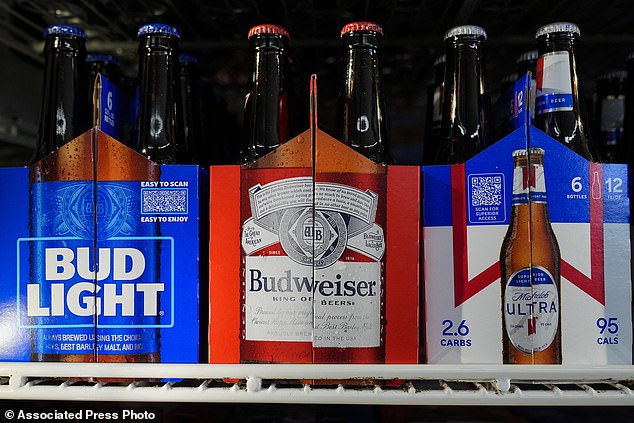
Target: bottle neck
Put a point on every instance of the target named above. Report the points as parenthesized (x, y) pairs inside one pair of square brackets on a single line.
[(529, 184), (559, 104), (158, 130), (265, 125), (467, 104), (361, 115), (64, 113)]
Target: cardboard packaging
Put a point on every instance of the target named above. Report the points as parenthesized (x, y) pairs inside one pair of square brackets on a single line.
[(588, 314), (101, 255), (314, 256)]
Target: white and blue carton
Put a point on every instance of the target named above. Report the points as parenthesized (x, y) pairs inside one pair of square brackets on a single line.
[(101, 254), (466, 216)]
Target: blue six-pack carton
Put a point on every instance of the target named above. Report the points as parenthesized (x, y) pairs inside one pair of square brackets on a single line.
[(100, 254), (533, 258)]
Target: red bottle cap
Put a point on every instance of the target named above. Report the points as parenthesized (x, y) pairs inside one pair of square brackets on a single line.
[(268, 29), (361, 26)]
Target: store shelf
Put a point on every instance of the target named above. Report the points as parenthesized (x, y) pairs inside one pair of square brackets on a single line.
[(394, 384)]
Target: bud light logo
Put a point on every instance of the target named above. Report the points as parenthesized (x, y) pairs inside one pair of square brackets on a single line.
[(128, 283)]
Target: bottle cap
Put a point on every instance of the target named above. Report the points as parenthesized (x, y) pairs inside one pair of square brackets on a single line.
[(99, 57), (268, 29), (528, 56), (440, 59), (620, 75), (163, 29), (558, 27), (69, 30), (361, 26), (524, 152), (457, 31), (187, 58)]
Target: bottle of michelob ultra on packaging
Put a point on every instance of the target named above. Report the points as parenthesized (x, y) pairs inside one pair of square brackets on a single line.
[(530, 263)]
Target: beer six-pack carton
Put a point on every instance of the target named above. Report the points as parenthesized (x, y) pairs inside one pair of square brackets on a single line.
[(100, 254), (319, 257), (526, 255)]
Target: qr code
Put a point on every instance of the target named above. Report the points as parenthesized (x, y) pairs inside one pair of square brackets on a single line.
[(164, 201), (486, 190)]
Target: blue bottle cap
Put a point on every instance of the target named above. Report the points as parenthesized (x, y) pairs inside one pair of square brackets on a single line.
[(187, 58), (163, 29), (68, 30), (99, 57)]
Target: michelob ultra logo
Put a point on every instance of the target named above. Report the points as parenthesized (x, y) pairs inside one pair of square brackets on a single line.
[(531, 309)]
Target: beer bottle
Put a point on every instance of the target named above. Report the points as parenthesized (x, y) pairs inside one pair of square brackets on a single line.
[(265, 125), (104, 64), (65, 105), (530, 262), (190, 103), (611, 115), (64, 117), (466, 111), (159, 135), (560, 108), (361, 120), (434, 112)]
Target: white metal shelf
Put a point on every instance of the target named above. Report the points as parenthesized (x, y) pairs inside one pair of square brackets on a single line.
[(258, 383)]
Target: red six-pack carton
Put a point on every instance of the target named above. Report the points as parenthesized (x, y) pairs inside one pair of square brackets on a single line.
[(319, 257)]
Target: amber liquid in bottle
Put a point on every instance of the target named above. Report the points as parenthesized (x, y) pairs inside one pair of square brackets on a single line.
[(530, 263)]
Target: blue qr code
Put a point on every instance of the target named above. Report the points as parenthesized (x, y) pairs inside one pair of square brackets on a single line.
[(164, 201), (486, 190)]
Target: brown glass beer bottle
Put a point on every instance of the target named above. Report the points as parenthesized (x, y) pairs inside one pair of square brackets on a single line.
[(466, 114), (559, 105), (266, 124), (530, 263)]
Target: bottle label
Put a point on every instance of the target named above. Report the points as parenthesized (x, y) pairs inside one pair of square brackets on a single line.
[(529, 182), (278, 299), (348, 305), (531, 309), (554, 86), (112, 294), (311, 264)]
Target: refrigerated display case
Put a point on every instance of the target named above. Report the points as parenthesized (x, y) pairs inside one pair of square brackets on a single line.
[(216, 33)]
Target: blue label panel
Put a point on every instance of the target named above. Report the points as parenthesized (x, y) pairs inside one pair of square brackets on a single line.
[(437, 195), (486, 198), (115, 118), (615, 193), (521, 100), (553, 103)]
